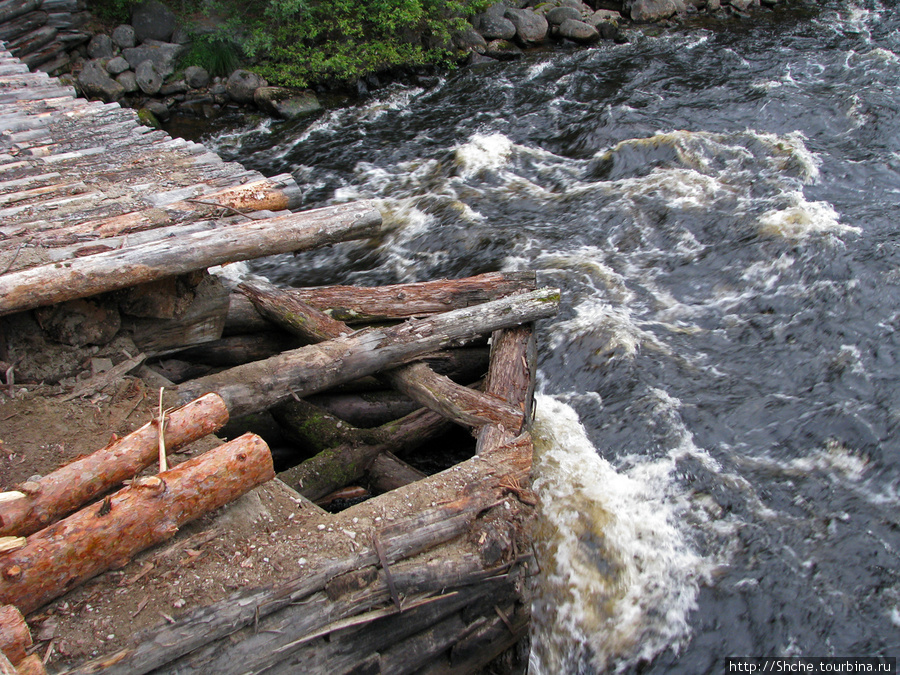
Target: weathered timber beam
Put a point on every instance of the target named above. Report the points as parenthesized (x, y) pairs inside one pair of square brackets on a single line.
[(149, 511), (388, 472), (463, 405), (315, 368), (510, 378), (357, 304), (59, 493), (111, 270)]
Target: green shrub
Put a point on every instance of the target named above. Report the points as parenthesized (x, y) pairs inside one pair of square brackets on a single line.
[(218, 55), (299, 41)]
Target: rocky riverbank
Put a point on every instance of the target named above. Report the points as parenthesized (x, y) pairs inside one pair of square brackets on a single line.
[(140, 64)]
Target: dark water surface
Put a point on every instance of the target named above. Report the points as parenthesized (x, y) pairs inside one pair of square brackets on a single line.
[(720, 399)]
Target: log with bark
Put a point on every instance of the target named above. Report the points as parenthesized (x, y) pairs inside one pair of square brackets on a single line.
[(463, 405), (15, 636), (150, 510), (315, 368), (129, 266), (59, 493)]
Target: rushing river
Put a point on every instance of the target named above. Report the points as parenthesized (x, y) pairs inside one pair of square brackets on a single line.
[(720, 394)]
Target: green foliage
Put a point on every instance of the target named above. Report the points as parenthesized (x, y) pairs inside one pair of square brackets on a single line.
[(113, 11), (299, 41), (217, 54)]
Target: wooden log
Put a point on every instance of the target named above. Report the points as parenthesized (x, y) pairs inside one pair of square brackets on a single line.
[(22, 25), (345, 462), (197, 632), (366, 409), (269, 194), (10, 9), (463, 405), (511, 379), (59, 493), (6, 666), (15, 637), (353, 304), (31, 665), (130, 266), (315, 368), (237, 350), (388, 472), (149, 511)]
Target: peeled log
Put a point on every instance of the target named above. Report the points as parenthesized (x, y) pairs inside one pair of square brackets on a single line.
[(15, 637), (59, 493), (109, 533), (31, 665), (133, 265)]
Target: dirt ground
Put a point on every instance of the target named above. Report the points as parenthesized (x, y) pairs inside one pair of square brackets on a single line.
[(272, 532)]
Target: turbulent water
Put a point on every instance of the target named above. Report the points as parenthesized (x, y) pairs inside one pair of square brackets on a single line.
[(720, 394)]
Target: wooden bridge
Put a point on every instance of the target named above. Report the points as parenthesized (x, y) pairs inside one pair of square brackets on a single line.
[(92, 201)]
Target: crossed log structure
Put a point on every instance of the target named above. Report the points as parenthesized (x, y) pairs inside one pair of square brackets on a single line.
[(44, 556)]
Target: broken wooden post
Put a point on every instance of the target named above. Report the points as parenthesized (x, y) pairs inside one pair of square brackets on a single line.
[(314, 368), (463, 405), (15, 636), (509, 378), (129, 266), (109, 533), (31, 665), (59, 493)]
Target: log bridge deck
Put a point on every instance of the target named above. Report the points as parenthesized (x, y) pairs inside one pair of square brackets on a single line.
[(118, 224)]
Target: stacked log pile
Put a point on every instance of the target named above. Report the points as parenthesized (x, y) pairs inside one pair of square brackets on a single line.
[(353, 611), (42, 32)]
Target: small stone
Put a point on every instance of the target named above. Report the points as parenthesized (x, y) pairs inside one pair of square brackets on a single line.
[(128, 81), (559, 14)]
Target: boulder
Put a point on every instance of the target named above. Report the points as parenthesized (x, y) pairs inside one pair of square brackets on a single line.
[(95, 82), (605, 15), (159, 109), (574, 4), (741, 5), (196, 77), (128, 80), (242, 84), (163, 55), (531, 28), (286, 103), (578, 31), (559, 14), (469, 40), (123, 36), (117, 66), (503, 50), (493, 25), (100, 46), (148, 77), (148, 119), (153, 21), (644, 11)]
